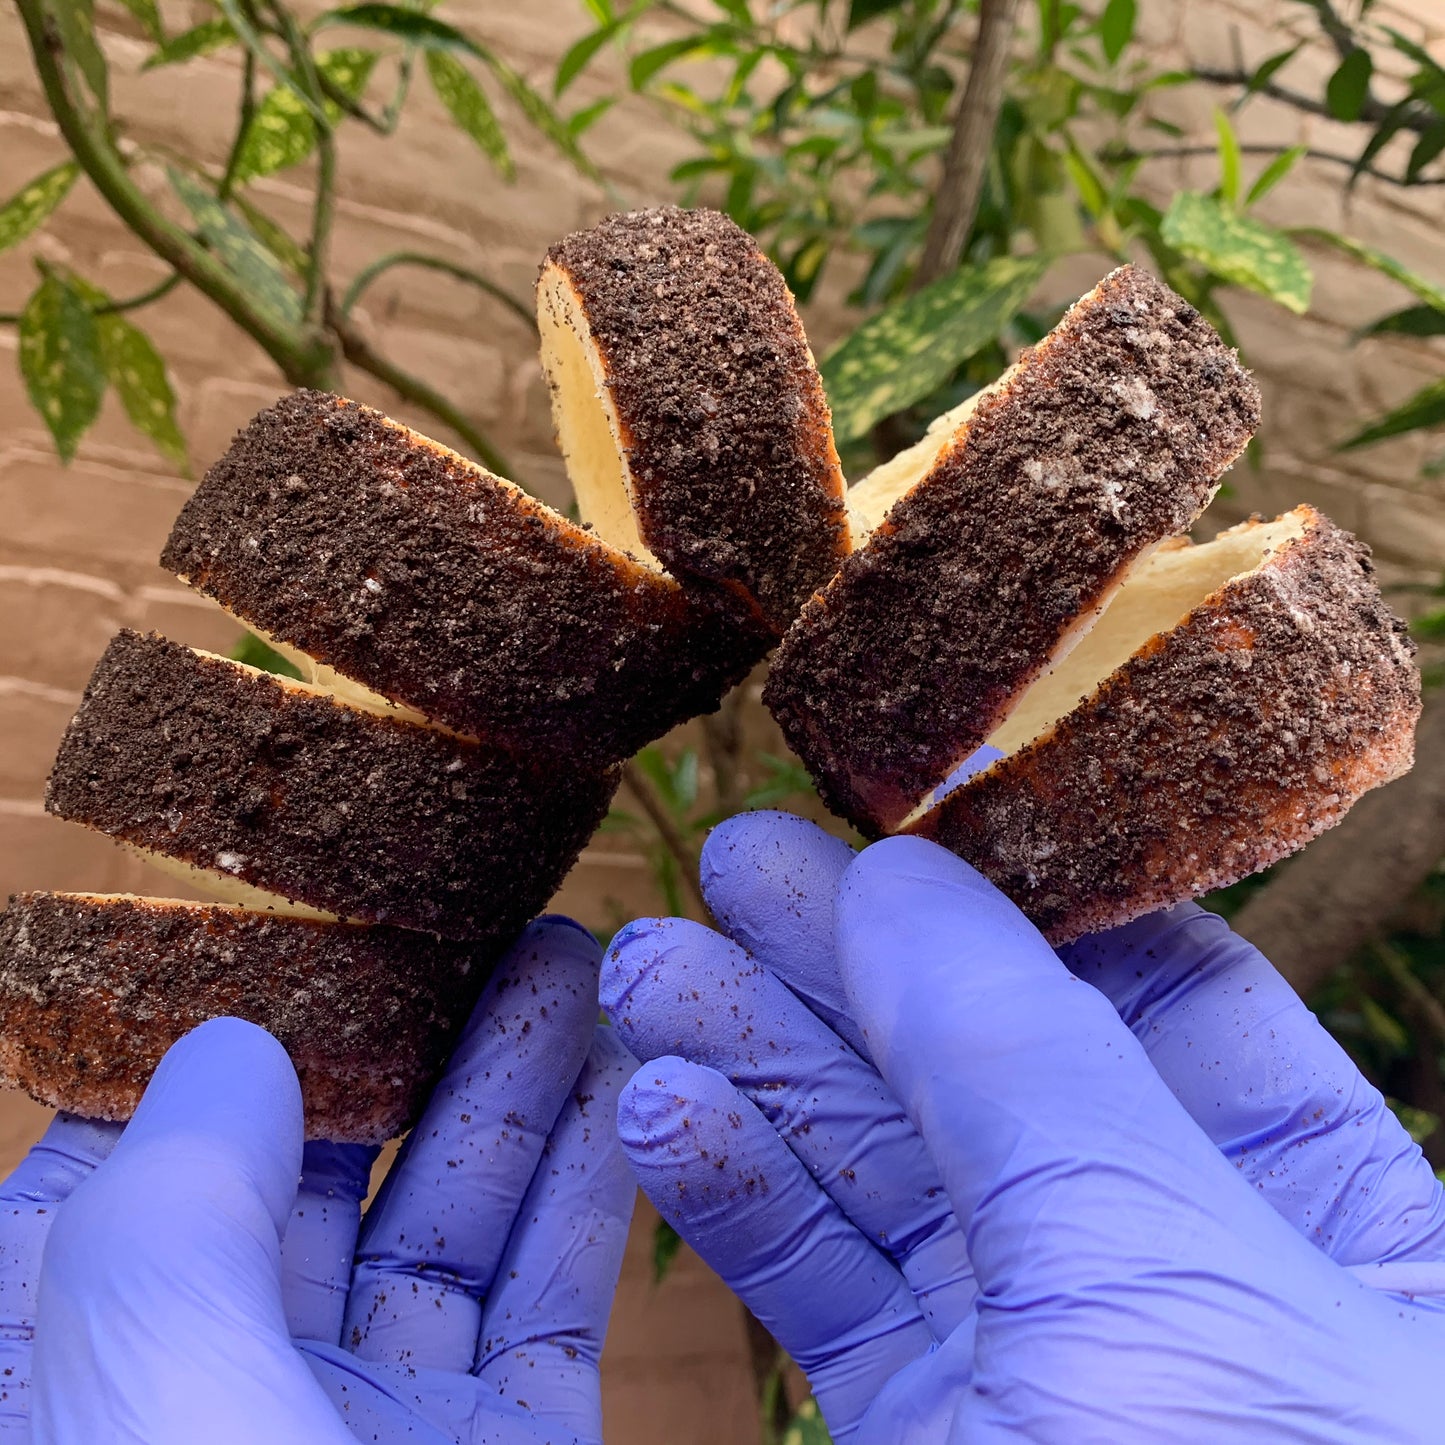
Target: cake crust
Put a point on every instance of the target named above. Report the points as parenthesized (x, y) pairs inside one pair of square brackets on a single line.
[(338, 532), (1221, 746), (725, 427), (1108, 437), (358, 815), (93, 990)]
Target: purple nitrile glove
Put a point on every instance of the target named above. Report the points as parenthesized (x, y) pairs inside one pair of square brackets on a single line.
[(187, 1291), (1189, 1217)]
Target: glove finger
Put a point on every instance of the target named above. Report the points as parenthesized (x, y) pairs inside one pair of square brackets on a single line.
[(770, 880), (719, 1174), (675, 987), (160, 1291), (430, 1243), (319, 1246), (1271, 1088), (66, 1154), (1071, 1166), (544, 1323)]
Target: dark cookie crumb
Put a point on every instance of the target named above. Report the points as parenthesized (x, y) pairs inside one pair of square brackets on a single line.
[(1109, 438), (355, 814), (727, 428), (94, 990), (435, 584), (1225, 745)]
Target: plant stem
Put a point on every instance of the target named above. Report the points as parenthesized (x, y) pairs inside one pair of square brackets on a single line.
[(1310, 154), (369, 273), (361, 354), (112, 308), (94, 149), (1419, 118), (672, 840), (722, 732), (243, 126), (956, 203)]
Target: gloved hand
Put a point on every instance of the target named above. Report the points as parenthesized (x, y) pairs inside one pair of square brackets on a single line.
[(188, 1292), (982, 1194)]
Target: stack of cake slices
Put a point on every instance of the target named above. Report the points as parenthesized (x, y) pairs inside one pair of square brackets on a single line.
[(1165, 718), (474, 666)]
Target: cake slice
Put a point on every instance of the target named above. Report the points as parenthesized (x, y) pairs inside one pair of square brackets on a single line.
[(94, 988)]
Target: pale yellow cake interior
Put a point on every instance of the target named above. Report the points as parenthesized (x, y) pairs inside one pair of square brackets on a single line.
[(870, 498), (587, 426), (222, 887), (1155, 596)]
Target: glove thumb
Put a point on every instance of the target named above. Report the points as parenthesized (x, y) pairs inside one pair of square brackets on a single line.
[(160, 1315)]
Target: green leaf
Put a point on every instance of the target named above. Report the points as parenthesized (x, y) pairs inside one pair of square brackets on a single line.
[(30, 205), (1425, 409), (579, 57), (1417, 285), (1268, 69), (1274, 173), (860, 12), (582, 120), (149, 16), (1228, 159), (685, 780), (401, 23), (1430, 626), (134, 367), (1426, 149), (909, 349), (666, 1242), (1412, 321), (1116, 28), (647, 63), (1238, 249), (255, 653), (787, 779), (470, 108), (74, 22), (807, 1427), (1383, 1027), (60, 362), (272, 236), (1349, 85), (282, 132), (246, 33), (238, 247), (198, 40), (534, 106)]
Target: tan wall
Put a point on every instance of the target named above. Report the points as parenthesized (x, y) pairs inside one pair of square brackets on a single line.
[(77, 545)]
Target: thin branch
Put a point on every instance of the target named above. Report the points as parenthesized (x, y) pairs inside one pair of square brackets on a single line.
[(112, 308), (1332, 157), (386, 122), (956, 203), (369, 273), (243, 128), (323, 211), (672, 840), (362, 355), (1419, 119), (95, 151)]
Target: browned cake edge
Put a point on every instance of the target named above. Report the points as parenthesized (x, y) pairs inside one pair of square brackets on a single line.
[(336, 531), (1108, 437), (93, 990), (1222, 746), (726, 430), (351, 813)]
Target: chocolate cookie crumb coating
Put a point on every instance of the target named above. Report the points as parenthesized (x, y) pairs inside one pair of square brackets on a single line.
[(1224, 745), (93, 990), (726, 430), (420, 575), (1109, 436), (358, 815)]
